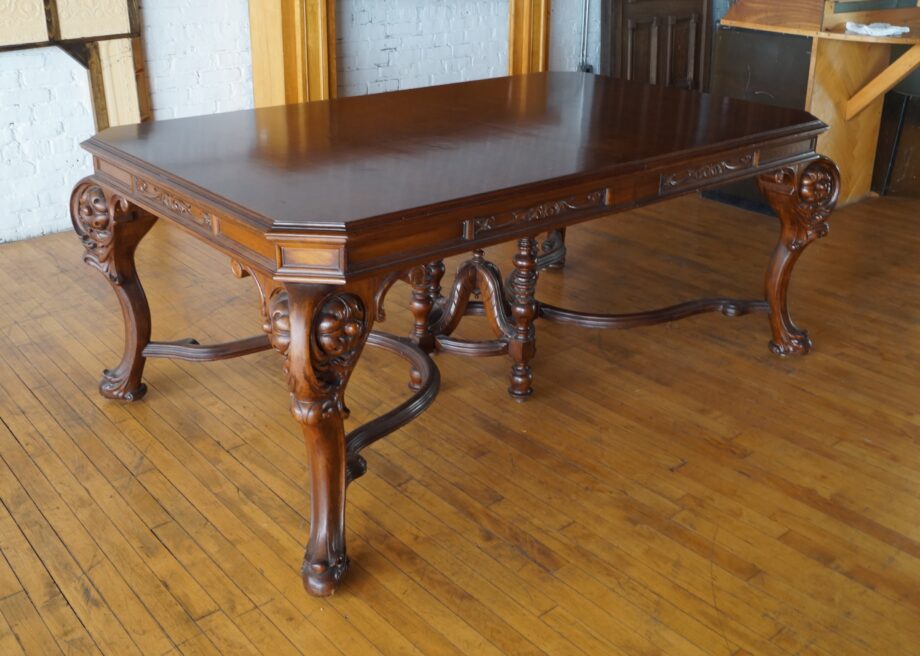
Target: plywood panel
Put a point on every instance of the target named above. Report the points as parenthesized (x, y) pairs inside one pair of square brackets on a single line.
[(118, 76), (839, 70), (268, 70), (87, 18), (900, 69), (22, 21)]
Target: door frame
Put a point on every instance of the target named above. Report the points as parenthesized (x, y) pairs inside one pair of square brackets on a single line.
[(294, 49)]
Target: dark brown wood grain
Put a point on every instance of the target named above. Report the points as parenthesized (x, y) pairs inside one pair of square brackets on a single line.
[(327, 205)]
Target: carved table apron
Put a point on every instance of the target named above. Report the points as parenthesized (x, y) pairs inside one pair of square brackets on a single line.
[(327, 205)]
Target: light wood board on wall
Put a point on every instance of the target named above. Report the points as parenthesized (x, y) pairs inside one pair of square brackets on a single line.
[(839, 70), (528, 36), (293, 50), (81, 19), (22, 21)]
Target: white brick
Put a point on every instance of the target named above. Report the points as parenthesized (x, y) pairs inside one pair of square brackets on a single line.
[(25, 96), (422, 44)]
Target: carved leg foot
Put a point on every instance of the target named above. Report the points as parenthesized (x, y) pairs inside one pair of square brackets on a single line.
[(110, 231), (522, 342), (321, 335), (803, 196)]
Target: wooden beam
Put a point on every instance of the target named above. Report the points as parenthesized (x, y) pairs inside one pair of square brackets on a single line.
[(528, 36), (884, 81), (118, 83), (119, 75), (319, 49), (293, 50)]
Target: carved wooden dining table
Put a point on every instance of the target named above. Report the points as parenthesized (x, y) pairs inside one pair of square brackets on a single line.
[(326, 205)]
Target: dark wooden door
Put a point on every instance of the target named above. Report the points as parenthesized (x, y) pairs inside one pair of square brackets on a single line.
[(657, 41)]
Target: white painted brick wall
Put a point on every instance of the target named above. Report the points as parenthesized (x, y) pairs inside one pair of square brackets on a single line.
[(385, 45), (198, 62), (197, 55), (45, 113), (565, 28)]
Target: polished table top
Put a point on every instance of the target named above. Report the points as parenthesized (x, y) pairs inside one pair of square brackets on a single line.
[(328, 165)]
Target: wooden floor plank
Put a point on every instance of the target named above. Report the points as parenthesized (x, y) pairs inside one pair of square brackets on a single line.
[(44, 592), (675, 489), (27, 626)]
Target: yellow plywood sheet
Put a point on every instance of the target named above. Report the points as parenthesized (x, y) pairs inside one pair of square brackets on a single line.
[(839, 70), (22, 21), (88, 18), (118, 74)]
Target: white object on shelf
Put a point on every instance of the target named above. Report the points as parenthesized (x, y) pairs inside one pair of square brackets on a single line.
[(876, 29)]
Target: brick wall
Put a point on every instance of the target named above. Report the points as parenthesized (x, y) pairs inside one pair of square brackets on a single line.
[(45, 113), (565, 28), (198, 61), (385, 45), (197, 56)]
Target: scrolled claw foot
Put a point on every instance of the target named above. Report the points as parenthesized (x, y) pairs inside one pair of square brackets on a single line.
[(120, 387), (795, 344), (322, 578)]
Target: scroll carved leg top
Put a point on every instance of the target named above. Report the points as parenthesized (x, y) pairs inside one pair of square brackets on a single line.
[(94, 216), (803, 198), (318, 374)]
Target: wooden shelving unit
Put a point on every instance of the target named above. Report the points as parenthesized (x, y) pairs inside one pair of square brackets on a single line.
[(848, 77)]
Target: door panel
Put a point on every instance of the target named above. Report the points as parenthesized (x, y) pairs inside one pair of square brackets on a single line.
[(657, 41)]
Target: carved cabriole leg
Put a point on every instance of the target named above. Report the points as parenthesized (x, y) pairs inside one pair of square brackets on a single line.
[(803, 197), (110, 230), (522, 343), (321, 332)]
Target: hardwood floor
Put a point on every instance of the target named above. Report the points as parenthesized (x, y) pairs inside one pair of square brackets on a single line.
[(670, 490)]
